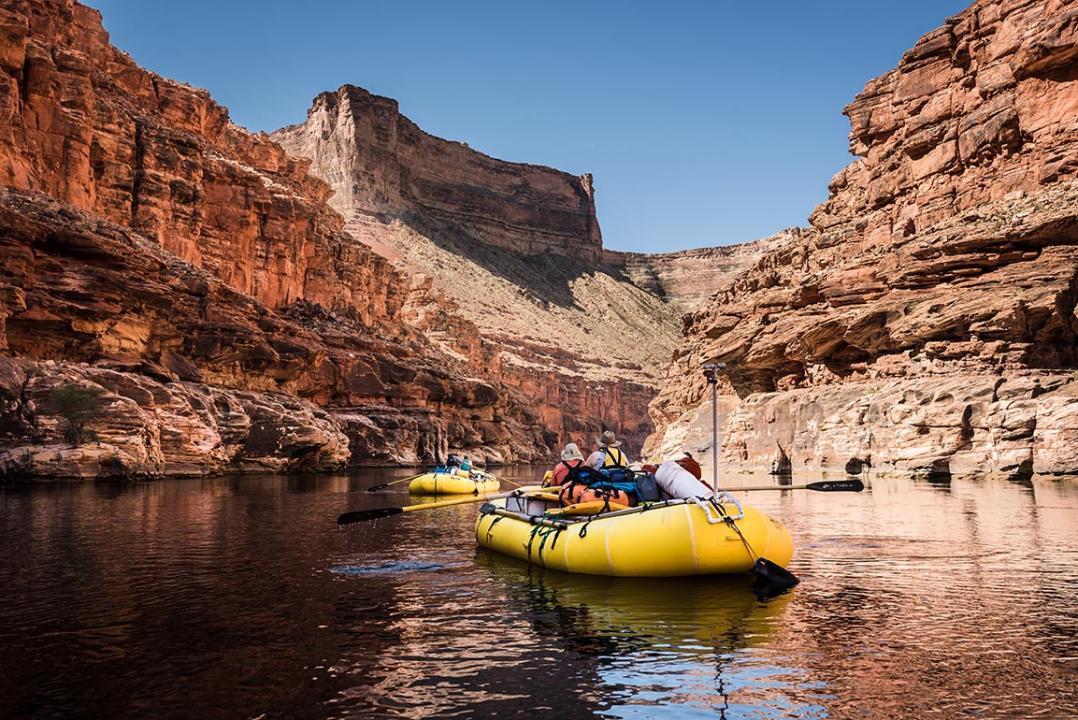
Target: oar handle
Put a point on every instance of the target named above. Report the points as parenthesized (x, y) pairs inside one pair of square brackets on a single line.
[(821, 486), (383, 486)]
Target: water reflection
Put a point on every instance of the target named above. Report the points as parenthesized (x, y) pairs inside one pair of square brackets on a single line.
[(680, 642), (238, 597)]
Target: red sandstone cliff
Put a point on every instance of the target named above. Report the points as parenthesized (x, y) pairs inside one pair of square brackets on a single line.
[(378, 162), (516, 281), (194, 272), (927, 320)]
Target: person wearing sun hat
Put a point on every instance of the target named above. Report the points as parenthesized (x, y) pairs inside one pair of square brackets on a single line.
[(571, 458), (609, 454)]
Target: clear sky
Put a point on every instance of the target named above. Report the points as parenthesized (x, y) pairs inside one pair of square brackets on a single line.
[(704, 123)]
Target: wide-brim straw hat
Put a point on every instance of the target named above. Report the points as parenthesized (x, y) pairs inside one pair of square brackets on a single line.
[(608, 439), (572, 452)]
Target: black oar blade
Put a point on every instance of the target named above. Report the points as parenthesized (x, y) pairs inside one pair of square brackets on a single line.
[(836, 486), (771, 579), (379, 486), (363, 515)]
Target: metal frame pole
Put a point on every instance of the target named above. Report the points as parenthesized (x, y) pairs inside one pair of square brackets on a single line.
[(711, 372)]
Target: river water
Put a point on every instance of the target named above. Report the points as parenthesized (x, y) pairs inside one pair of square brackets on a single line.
[(239, 598)]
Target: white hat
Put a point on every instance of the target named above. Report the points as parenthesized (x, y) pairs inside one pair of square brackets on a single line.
[(572, 452)]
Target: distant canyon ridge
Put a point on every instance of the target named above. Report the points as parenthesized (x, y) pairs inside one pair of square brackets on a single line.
[(354, 291)]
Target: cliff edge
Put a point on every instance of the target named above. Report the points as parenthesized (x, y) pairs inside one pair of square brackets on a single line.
[(926, 321)]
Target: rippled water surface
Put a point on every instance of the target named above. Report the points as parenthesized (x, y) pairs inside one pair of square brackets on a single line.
[(239, 598)]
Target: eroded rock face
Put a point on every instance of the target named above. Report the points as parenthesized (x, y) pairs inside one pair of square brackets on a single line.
[(687, 279), (146, 236), (379, 162), (92, 298), (944, 261), (511, 274)]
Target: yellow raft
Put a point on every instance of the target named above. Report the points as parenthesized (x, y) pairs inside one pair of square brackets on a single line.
[(436, 483), (668, 539)]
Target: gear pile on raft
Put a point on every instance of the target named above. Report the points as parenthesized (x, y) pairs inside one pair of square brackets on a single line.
[(599, 516), (456, 476)]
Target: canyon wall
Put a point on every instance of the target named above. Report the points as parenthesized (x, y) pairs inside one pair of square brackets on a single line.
[(194, 275), (514, 279), (926, 320), (688, 278), (377, 162)]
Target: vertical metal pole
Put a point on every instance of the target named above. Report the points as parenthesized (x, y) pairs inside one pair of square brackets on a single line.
[(714, 433)]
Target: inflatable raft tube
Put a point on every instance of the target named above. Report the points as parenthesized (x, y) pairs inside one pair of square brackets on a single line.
[(443, 484), (665, 540)]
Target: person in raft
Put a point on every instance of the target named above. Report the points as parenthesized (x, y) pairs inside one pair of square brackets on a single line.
[(604, 476), (571, 459), (609, 454)]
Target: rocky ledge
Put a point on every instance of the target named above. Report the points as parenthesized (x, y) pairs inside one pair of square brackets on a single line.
[(926, 321)]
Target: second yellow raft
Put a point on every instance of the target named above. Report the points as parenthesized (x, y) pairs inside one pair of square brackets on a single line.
[(665, 540), (435, 483)]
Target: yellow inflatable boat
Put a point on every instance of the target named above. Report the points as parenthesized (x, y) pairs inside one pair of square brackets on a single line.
[(666, 539), (462, 483)]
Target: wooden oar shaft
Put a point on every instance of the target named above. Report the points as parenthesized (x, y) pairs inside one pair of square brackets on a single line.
[(456, 501), (382, 486), (355, 516)]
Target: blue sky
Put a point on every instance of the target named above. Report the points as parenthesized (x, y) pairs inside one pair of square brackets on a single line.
[(704, 123)]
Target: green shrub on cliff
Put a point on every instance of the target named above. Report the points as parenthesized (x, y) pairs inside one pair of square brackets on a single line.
[(76, 405)]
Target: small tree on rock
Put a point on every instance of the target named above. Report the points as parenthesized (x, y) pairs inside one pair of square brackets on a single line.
[(76, 405)]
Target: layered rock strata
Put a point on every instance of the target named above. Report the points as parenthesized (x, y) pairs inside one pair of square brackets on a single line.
[(926, 321), (194, 273), (515, 279), (378, 162), (687, 279)]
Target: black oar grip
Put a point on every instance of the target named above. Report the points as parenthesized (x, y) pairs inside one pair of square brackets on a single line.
[(836, 486), (363, 515)]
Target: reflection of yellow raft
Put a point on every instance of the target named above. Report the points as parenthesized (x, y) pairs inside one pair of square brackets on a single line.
[(694, 614), (461, 484), (662, 541)]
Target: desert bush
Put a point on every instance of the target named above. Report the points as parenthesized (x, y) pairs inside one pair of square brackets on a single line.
[(76, 405)]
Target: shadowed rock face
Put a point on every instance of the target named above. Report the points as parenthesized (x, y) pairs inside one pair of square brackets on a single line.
[(511, 274), (378, 162), (194, 273), (927, 319)]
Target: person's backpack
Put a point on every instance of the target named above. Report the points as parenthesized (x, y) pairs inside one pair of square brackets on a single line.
[(646, 487)]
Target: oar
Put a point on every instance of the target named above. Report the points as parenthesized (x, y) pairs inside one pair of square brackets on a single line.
[(383, 486), (356, 516), (822, 486), (501, 479)]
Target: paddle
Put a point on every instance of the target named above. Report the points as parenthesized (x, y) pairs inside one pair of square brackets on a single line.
[(356, 516), (501, 479), (822, 486), (383, 486)]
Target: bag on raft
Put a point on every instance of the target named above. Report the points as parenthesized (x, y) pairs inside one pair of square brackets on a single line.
[(586, 484), (605, 479), (646, 487), (578, 493), (677, 482)]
